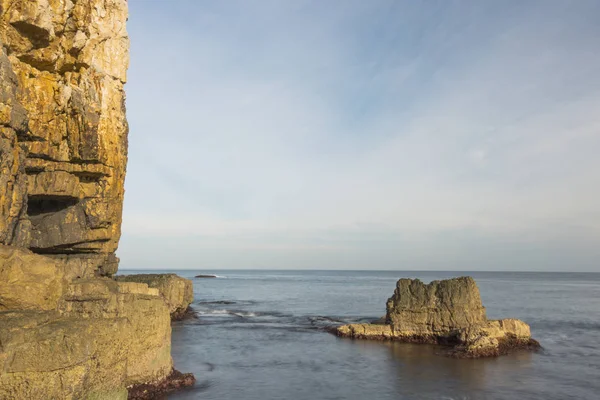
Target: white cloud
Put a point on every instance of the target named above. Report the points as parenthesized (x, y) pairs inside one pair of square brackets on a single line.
[(310, 129)]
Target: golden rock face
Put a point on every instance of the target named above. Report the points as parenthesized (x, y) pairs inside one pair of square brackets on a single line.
[(178, 292), (63, 138), (65, 331)]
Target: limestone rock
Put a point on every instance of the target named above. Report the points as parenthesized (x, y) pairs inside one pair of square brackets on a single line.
[(66, 330), (102, 337), (29, 281), (447, 312), (177, 291), (63, 141), (438, 308)]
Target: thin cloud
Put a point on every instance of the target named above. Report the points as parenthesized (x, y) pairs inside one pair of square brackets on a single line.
[(312, 131)]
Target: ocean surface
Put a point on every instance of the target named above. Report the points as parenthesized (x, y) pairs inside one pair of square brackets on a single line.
[(259, 335)]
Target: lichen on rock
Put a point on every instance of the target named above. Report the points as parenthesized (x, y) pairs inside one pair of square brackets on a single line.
[(67, 330), (63, 145), (447, 312)]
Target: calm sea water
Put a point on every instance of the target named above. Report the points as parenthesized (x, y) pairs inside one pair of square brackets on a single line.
[(260, 335)]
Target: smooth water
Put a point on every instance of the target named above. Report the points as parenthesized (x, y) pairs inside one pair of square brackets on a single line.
[(260, 335)]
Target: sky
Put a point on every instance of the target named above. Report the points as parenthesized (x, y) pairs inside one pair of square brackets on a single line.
[(402, 135)]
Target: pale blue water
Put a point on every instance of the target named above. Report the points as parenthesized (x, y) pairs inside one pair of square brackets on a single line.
[(260, 336)]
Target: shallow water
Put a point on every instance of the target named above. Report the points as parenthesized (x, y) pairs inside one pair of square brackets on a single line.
[(260, 336)]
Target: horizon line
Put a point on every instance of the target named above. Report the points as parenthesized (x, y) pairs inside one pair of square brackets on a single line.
[(357, 270)]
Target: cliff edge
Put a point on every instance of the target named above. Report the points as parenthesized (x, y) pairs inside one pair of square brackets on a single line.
[(447, 312), (67, 329)]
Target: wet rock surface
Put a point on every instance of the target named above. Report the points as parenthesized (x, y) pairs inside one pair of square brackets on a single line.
[(148, 391), (447, 312)]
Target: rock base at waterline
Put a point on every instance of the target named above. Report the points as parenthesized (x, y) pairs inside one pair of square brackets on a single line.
[(447, 313), (494, 339), (147, 391)]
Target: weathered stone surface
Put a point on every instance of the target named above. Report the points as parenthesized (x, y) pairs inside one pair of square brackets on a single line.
[(447, 312), (48, 356), (437, 308), (66, 330), (177, 291), (63, 147), (29, 281), (147, 336), (101, 337)]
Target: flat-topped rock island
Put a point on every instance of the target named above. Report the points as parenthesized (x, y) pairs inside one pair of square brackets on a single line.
[(447, 312)]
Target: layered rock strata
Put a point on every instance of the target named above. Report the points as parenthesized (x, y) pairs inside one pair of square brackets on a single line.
[(177, 291), (67, 330), (63, 137), (447, 312)]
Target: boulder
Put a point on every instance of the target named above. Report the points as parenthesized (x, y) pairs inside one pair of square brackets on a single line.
[(177, 291), (447, 312)]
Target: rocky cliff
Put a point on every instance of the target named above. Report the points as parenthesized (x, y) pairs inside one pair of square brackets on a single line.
[(67, 330), (447, 312), (64, 133)]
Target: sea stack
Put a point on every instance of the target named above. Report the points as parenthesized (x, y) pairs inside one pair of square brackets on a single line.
[(447, 312), (68, 330)]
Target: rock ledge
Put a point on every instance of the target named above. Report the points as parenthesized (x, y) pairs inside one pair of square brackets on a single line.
[(177, 291)]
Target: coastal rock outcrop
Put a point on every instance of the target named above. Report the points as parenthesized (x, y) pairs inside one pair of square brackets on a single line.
[(447, 312), (67, 329), (63, 140), (75, 338), (177, 291)]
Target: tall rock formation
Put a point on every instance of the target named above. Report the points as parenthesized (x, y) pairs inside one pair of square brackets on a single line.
[(64, 134), (67, 330), (447, 312)]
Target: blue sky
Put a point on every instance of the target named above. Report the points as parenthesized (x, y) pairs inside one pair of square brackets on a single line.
[(408, 135)]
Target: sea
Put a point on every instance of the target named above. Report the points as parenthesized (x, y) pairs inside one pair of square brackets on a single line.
[(262, 335)]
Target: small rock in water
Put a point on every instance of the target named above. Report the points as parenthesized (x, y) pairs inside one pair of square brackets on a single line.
[(447, 312), (205, 276)]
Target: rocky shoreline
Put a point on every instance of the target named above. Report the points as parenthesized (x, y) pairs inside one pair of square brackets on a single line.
[(447, 313)]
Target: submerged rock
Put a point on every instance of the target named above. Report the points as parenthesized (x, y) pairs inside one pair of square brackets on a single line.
[(177, 291), (447, 312)]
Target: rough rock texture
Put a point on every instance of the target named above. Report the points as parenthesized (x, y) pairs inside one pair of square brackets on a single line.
[(447, 312), (79, 338), (435, 309), (63, 138), (177, 291), (68, 331), (148, 391)]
